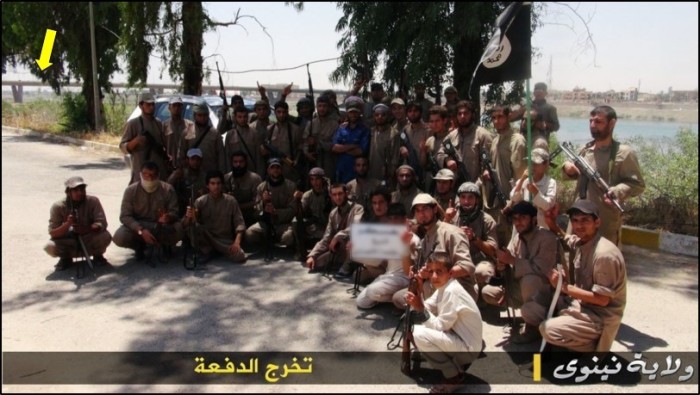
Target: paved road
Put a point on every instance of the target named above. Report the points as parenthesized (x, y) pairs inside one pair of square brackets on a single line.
[(254, 307)]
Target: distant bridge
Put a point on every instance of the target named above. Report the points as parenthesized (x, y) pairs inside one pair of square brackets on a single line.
[(273, 91)]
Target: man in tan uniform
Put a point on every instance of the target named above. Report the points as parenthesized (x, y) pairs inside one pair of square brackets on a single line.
[(438, 123), (617, 165), (479, 228), (261, 125), (596, 298), (336, 234), (285, 137), (244, 138), (77, 214), (407, 188), (442, 237), (207, 139), (383, 146), (416, 132), (145, 140), (185, 178), (175, 127), (362, 185), (219, 223), (468, 140), (444, 189), (315, 205), (275, 203), (526, 262), (321, 131), (242, 184), (508, 157), (148, 214)]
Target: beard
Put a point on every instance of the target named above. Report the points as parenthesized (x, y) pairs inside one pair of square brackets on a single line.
[(600, 135), (239, 171)]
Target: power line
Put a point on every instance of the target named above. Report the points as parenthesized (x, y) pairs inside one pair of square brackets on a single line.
[(272, 70)]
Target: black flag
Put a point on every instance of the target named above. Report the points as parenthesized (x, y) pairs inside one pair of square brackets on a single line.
[(508, 53)]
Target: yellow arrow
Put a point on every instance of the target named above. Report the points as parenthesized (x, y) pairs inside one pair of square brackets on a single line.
[(46, 50)]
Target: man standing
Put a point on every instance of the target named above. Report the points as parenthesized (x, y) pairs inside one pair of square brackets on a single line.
[(321, 131), (175, 127), (425, 104), (349, 142), (508, 155), (336, 234), (260, 125), (144, 140), (596, 298), (242, 184), (220, 222), (77, 215), (467, 140), (243, 138), (382, 147), (617, 165), (148, 214), (207, 139), (543, 117), (527, 262), (416, 133), (285, 137), (439, 127)]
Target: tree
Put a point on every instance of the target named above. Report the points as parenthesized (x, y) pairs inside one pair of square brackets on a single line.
[(175, 30), (23, 31), (417, 42)]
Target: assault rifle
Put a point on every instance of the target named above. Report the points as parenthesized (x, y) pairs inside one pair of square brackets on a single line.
[(154, 145), (191, 257), (268, 224), (413, 159), (462, 173), (488, 166), (591, 175), (81, 243)]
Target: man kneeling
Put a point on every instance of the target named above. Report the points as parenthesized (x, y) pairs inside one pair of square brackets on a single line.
[(451, 336), (219, 224)]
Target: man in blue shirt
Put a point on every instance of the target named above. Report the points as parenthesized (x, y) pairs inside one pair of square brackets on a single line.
[(350, 141)]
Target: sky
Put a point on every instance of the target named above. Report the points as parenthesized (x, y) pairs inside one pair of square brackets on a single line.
[(653, 46)]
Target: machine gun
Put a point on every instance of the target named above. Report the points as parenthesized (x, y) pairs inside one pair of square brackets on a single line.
[(591, 175), (496, 192)]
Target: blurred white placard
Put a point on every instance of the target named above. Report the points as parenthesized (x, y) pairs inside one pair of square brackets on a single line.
[(377, 241)]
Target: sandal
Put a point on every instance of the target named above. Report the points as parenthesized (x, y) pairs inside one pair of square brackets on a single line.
[(449, 385), (444, 388)]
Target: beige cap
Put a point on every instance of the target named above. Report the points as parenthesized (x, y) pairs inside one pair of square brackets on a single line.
[(444, 174), (398, 101), (423, 198), (539, 155)]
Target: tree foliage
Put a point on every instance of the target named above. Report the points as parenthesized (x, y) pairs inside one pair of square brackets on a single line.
[(430, 42), (24, 26)]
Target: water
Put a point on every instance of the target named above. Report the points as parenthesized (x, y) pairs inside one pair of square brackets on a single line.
[(576, 130)]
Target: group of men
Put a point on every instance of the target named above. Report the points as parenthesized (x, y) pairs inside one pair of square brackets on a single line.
[(486, 234)]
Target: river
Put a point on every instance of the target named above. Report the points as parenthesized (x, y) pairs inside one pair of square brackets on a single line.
[(576, 129)]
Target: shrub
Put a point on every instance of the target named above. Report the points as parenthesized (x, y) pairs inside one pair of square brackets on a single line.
[(74, 116)]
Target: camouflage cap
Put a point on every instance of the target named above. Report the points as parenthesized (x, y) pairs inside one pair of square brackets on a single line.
[(317, 172), (469, 187), (146, 97), (200, 108)]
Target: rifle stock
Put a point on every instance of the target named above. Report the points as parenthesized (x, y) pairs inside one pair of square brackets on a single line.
[(413, 160), (79, 239), (488, 166)]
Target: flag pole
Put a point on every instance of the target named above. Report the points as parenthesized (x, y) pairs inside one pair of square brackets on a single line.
[(528, 106)]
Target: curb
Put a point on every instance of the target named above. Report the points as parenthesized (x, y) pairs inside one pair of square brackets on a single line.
[(660, 240), (63, 139)]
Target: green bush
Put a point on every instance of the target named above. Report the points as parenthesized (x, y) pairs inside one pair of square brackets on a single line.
[(116, 112), (74, 115), (669, 167)]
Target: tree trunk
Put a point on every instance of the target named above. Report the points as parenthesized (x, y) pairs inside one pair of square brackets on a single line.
[(192, 43)]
